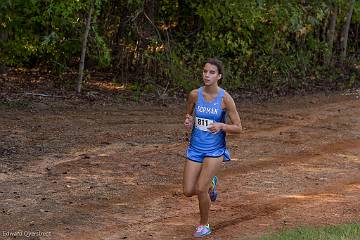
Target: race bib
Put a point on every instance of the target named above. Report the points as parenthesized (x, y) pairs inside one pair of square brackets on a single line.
[(203, 123)]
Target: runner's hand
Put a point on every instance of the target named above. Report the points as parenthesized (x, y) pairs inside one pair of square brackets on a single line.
[(189, 121), (215, 127)]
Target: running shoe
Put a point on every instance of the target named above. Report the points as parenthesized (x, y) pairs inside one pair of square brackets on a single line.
[(212, 189), (202, 231)]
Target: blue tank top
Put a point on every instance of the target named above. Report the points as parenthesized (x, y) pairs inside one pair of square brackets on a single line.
[(206, 113)]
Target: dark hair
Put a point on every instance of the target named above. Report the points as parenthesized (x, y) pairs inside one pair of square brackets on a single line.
[(220, 66)]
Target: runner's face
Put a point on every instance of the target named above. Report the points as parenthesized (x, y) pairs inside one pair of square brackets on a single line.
[(210, 74)]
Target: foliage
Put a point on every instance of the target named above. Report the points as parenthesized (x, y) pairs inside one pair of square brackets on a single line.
[(45, 32), (267, 46)]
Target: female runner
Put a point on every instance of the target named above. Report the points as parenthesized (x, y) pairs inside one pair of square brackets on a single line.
[(206, 110)]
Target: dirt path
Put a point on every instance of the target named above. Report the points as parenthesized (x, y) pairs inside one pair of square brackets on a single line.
[(115, 172)]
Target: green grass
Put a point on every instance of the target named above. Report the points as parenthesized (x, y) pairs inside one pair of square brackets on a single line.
[(14, 104), (339, 232)]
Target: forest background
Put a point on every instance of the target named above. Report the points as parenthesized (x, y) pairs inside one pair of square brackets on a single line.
[(159, 46)]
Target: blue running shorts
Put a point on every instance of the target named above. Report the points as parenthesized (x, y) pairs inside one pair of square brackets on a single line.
[(196, 155)]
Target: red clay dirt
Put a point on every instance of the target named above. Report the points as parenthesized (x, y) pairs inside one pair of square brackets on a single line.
[(114, 171)]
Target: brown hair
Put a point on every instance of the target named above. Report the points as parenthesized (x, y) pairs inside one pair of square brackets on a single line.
[(220, 66)]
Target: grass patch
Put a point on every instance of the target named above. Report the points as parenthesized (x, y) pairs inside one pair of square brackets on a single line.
[(339, 232), (14, 104)]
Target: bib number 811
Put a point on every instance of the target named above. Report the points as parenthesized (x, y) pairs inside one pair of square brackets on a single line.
[(203, 123)]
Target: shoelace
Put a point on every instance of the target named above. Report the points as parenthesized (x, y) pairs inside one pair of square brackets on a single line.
[(202, 227)]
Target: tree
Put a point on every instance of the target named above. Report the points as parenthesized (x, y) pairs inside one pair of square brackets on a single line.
[(345, 32), (83, 49), (331, 34)]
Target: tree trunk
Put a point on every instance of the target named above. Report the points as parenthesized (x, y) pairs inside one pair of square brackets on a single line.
[(124, 18), (345, 32), (331, 34), (3, 38), (182, 13), (149, 19), (357, 38), (83, 49)]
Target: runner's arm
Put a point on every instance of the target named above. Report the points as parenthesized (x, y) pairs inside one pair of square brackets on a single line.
[(190, 104), (235, 126)]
